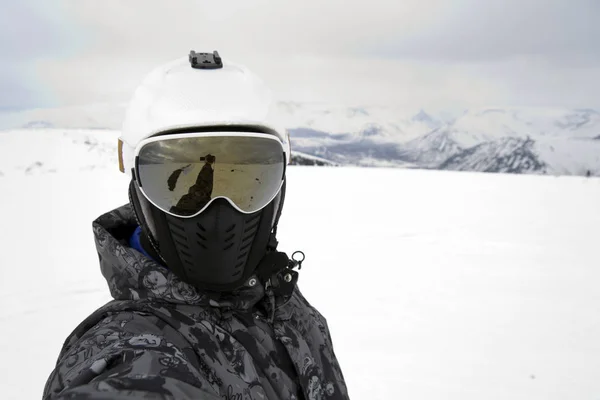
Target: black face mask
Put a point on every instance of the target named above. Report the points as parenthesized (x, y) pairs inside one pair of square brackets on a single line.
[(219, 249)]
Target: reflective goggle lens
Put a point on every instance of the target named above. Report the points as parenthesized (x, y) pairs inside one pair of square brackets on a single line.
[(181, 175)]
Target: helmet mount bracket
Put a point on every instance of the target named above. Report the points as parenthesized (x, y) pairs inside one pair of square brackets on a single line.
[(205, 60)]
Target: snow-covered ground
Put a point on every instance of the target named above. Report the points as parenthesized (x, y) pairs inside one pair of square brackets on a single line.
[(436, 285)]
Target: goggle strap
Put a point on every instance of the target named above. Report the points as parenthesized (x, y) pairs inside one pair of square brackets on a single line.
[(120, 151)]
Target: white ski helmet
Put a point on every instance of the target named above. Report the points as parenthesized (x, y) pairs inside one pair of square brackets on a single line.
[(176, 96), (220, 248)]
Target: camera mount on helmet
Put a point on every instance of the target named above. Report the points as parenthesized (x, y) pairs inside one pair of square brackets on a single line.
[(209, 158), (205, 60)]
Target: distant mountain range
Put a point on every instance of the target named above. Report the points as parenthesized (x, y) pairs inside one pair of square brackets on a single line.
[(515, 140), (299, 158)]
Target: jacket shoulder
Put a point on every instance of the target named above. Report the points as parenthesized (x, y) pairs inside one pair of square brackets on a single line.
[(122, 347), (304, 332)]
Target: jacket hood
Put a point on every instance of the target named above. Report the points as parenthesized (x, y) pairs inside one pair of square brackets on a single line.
[(132, 276)]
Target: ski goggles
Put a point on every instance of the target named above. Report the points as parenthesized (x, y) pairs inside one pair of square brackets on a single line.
[(182, 174)]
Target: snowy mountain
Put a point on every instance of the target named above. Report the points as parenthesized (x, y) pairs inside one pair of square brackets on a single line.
[(509, 155), (431, 149), (345, 149), (566, 142), (426, 119), (478, 126), (524, 140), (380, 124)]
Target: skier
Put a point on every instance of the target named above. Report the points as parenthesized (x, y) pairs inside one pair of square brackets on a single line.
[(199, 193), (205, 306)]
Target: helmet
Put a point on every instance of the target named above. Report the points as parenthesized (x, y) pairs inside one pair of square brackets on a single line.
[(220, 248), (178, 96)]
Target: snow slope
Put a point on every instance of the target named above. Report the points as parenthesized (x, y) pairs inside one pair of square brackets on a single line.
[(40, 151), (570, 156), (436, 285)]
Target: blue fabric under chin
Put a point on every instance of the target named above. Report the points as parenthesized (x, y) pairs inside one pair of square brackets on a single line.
[(134, 242)]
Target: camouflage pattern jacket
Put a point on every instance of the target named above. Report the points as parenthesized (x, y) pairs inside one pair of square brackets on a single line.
[(161, 338)]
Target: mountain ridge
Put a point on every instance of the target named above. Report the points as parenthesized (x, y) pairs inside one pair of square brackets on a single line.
[(566, 141)]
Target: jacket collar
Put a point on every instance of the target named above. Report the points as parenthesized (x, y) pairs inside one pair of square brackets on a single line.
[(133, 276)]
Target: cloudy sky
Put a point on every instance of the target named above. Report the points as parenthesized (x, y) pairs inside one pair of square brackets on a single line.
[(436, 54)]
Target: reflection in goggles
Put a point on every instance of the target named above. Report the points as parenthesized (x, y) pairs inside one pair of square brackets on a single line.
[(246, 170), (199, 194)]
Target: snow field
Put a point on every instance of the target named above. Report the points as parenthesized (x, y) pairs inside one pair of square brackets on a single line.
[(434, 284)]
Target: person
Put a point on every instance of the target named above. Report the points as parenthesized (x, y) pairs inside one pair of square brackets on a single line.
[(205, 305), (199, 193)]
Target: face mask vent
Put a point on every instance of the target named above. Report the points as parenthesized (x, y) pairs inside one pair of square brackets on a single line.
[(181, 242), (228, 242), (216, 244)]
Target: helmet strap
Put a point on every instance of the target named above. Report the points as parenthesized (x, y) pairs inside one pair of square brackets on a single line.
[(272, 246), (146, 239)]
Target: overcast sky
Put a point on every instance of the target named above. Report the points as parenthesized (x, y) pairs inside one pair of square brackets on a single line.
[(436, 54)]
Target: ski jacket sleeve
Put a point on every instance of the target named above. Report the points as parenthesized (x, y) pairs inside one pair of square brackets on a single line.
[(128, 355)]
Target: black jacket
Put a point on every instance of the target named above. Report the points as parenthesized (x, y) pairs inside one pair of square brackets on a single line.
[(162, 338)]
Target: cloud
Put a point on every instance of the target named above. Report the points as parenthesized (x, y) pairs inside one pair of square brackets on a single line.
[(460, 30), (30, 32), (493, 30), (13, 94), (434, 53)]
